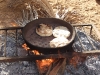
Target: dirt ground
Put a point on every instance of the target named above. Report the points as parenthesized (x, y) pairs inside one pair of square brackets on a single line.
[(80, 11)]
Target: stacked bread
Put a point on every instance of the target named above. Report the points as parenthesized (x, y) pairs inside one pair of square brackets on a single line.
[(60, 34)]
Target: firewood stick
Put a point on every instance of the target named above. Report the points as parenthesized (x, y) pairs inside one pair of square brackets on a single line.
[(49, 70), (55, 62), (61, 70), (57, 67), (49, 56), (52, 65)]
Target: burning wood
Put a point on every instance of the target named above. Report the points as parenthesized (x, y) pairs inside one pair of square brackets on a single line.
[(58, 67), (43, 64), (49, 66), (52, 66)]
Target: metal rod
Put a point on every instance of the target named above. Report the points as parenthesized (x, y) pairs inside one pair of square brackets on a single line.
[(49, 56), (76, 25), (79, 39), (5, 43), (91, 29), (89, 39), (16, 43), (10, 28)]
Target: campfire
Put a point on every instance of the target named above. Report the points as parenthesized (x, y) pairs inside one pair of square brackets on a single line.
[(82, 58), (47, 66), (62, 62)]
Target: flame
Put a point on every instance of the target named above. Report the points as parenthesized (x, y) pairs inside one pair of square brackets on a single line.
[(41, 63), (25, 47), (44, 63), (36, 52)]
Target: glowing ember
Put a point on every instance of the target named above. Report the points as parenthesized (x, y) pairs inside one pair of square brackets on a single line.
[(36, 52), (25, 47), (44, 64)]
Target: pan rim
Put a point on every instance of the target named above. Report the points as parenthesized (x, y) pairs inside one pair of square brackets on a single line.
[(70, 41)]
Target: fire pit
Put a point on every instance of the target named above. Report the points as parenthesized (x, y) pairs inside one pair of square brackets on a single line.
[(15, 60), (83, 47)]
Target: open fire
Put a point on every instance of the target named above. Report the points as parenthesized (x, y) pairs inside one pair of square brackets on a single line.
[(43, 64), (53, 66), (10, 49)]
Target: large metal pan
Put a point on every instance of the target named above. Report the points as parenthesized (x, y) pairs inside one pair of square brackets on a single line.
[(36, 42)]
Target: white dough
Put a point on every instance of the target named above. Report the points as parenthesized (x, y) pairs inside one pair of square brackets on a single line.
[(61, 31), (58, 42)]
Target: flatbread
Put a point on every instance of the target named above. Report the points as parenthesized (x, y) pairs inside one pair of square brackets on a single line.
[(58, 42), (44, 30), (61, 31)]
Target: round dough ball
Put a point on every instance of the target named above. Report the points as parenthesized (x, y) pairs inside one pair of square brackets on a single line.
[(58, 42), (61, 31), (44, 30)]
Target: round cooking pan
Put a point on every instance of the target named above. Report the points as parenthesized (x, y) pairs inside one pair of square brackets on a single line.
[(36, 42)]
